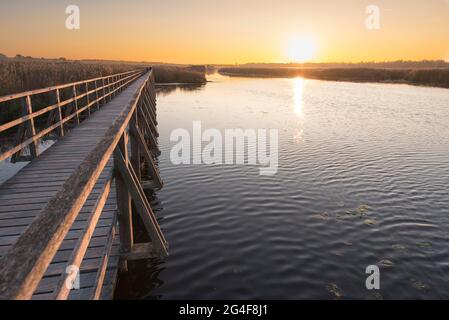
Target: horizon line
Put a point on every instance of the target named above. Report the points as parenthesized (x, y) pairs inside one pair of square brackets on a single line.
[(236, 63)]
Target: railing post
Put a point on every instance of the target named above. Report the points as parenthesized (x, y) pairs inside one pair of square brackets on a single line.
[(111, 88), (58, 101), (87, 98), (26, 130), (96, 95), (124, 203), (75, 102), (104, 90), (31, 129)]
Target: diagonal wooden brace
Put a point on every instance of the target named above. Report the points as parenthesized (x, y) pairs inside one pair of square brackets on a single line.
[(135, 131), (141, 203)]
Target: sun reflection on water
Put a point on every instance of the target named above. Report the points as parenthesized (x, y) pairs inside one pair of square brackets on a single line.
[(298, 104)]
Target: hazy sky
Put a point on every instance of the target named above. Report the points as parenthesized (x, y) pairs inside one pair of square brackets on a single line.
[(211, 31)]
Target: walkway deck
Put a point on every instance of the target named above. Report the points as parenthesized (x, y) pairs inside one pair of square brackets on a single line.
[(24, 196)]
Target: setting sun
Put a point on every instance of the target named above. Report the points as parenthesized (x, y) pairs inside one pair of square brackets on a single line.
[(301, 49)]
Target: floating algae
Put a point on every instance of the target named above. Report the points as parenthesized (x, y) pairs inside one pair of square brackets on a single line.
[(321, 216), (399, 247), (424, 244), (363, 209), (386, 263), (370, 222), (333, 289), (360, 211), (374, 296), (418, 284)]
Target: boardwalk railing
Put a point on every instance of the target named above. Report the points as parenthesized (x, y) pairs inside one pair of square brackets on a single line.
[(24, 265), (83, 97)]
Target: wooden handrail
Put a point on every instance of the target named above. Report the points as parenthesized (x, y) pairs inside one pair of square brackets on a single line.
[(23, 266), (26, 121), (40, 112), (62, 86)]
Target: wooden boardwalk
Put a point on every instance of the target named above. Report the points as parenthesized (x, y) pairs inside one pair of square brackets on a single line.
[(91, 243)]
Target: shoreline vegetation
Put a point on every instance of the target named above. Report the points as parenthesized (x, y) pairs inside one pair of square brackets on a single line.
[(425, 73), (21, 74)]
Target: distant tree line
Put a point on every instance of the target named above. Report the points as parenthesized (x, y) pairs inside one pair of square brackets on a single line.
[(438, 77), (398, 64)]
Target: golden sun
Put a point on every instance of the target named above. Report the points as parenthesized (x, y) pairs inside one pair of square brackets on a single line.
[(301, 49)]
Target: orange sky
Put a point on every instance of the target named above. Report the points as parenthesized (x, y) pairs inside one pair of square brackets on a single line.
[(200, 31)]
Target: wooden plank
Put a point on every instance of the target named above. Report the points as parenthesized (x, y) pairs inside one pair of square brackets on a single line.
[(9, 240), (24, 222), (87, 278), (101, 273), (33, 213), (62, 291)]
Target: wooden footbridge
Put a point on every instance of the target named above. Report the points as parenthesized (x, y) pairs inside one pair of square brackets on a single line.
[(68, 218)]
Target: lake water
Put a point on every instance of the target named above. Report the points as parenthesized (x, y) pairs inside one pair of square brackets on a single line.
[(363, 180), (9, 169)]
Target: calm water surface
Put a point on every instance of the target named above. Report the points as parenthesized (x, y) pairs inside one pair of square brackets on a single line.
[(363, 179)]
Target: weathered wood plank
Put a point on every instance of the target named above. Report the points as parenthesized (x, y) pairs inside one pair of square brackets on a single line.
[(101, 273), (77, 255)]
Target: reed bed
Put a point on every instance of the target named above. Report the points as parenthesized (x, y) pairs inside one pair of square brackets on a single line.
[(18, 75), (437, 77), (171, 74)]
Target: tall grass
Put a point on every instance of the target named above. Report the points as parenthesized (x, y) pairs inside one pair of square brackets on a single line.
[(172, 74), (24, 74), (18, 76), (429, 77)]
